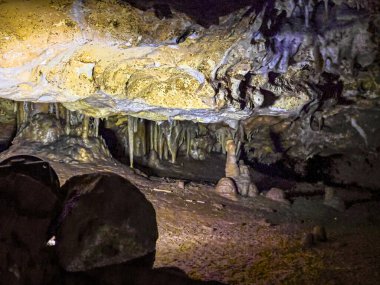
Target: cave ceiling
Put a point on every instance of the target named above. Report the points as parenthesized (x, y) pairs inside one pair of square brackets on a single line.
[(206, 61)]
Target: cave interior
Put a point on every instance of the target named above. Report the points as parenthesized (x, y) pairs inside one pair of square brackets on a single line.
[(189, 142)]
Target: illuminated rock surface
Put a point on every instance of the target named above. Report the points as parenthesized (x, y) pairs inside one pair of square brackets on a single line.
[(105, 57)]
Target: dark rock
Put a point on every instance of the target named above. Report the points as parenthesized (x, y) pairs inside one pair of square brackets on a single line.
[(106, 220), (332, 200), (27, 207)]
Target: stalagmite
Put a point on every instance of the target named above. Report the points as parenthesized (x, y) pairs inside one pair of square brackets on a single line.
[(232, 169), (85, 127)]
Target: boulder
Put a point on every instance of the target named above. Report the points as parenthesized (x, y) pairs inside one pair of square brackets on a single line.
[(106, 220), (27, 207), (277, 194)]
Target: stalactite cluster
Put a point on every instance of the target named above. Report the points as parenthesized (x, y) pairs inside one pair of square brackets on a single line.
[(140, 137), (166, 140), (75, 124)]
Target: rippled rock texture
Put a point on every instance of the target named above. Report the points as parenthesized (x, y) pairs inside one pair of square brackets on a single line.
[(106, 57)]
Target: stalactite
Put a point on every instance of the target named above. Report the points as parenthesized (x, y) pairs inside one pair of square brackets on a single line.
[(156, 127), (143, 137), (326, 2), (306, 5), (161, 141), (68, 126), (151, 135), (131, 134), (85, 127), (188, 142), (238, 150), (222, 135), (20, 111), (174, 138), (51, 108), (56, 110), (27, 111), (96, 127), (166, 150)]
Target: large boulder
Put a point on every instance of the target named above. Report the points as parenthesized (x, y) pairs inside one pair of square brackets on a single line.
[(106, 220), (27, 207)]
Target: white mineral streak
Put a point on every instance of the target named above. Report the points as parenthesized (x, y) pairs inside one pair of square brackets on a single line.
[(359, 129)]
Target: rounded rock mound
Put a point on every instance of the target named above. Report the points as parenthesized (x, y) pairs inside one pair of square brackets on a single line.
[(105, 220)]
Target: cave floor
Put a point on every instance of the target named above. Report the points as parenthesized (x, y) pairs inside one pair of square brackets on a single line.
[(252, 240), (257, 241)]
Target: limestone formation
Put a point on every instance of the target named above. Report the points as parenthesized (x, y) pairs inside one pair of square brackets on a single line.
[(226, 188), (253, 191), (153, 159), (277, 194), (244, 183), (232, 169), (108, 51)]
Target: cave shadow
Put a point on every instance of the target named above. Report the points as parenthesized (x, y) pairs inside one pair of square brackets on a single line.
[(45, 266), (204, 12), (135, 272)]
